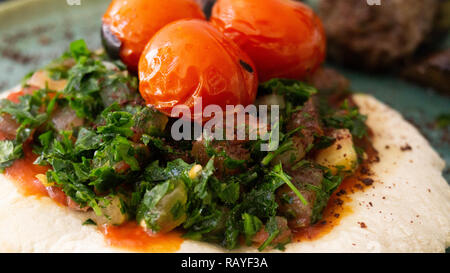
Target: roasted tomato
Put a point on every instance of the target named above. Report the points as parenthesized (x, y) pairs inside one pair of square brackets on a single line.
[(292, 45), (129, 24), (191, 59)]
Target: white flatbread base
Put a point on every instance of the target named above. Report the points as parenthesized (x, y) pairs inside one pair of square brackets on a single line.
[(410, 209)]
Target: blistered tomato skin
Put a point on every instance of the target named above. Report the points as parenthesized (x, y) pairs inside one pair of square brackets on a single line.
[(134, 22), (190, 59), (284, 38)]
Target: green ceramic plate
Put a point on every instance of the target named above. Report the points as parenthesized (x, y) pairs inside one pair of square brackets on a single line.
[(33, 32)]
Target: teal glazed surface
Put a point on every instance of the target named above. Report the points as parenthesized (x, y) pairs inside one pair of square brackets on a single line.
[(33, 32)]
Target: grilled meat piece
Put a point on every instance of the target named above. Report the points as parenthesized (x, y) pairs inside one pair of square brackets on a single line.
[(329, 81), (308, 119), (333, 86), (376, 37), (433, 71), (8, 127), (65, 119), (297, 213), (234, 149)]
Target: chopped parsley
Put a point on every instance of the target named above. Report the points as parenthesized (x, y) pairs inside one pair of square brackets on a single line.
[(349, 118), (103, 144)]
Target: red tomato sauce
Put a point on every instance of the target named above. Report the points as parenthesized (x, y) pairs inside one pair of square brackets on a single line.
[(337, 207), (14, 97), (132, 237), (23, 172)]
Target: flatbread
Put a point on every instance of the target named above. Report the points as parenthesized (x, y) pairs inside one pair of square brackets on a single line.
[(407, 209)]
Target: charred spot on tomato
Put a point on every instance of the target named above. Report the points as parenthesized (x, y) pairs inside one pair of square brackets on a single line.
[(207, 6), (135, 22), (110, 42), (246, 66)]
